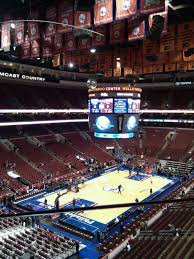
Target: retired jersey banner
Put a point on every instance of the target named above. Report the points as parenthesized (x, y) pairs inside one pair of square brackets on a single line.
[(19, 33), (99, 40), (84, 43), (152, 6), (51, 15), (128, 71), (35, 49), (182, 66), (185, 36), (47, 52), (103, 12), (167, 42), (125, 8), (58, 42), (69, 42), (5, 36), (117, 32), (65, 16), (136, 30), (26, 48), (82, 19)]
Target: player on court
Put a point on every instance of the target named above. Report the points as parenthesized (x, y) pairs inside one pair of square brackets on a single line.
[(119, 188)]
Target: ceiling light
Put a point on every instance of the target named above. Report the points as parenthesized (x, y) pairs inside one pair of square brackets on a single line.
[(38, 58), (118, 59), (71, 65), (12, 25), (93, 51)]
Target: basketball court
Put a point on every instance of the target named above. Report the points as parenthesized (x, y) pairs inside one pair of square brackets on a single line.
[(103, 190)]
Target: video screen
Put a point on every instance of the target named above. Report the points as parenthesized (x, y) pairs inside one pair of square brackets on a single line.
[(133, 105), (120, 105), (130, 123), (101, 105), (103, 123)]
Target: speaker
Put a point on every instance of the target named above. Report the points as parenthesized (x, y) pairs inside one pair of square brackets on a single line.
[(84, 5), (157, 27)]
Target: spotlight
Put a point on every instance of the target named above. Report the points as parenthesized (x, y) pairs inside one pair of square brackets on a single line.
[(71, 65), (38, 58), (12, 25), (93, 51)]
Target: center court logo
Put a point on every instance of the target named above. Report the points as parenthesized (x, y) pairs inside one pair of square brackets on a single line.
[(110, 189)]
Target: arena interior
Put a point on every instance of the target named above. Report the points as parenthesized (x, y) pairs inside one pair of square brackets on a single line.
[(96, 109)]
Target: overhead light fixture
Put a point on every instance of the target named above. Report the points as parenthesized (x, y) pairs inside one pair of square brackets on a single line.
[(38, 58), (118, 59), (12, 25), (93, 51), (71, 65)]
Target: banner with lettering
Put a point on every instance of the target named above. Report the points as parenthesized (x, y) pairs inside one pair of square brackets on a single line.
[(117, 72), (51, 15), (33, 30), (151, 52), (103, 11), (158, 68), (82, 19), (125, 8), (47, 40), (152, 6), (182, 66), (35, 49), (99, 40), (128, 71), (19, 33), (167, 42), (117, 32), (58, 42), (70, 44), (84, 43), (185, 36), (26, 48), (5, 36), (56, 60), (65, 16), (136, 30), (170, 67)]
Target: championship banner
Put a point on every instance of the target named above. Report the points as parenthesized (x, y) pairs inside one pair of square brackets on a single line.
[(128, 71), (82, 19), (185, 36), (151, 52), (51, 15), (117, 72), (170, 67), (152, 6), (65, 16), (35, 49), (70, 44), (117, 32), (136, 30), (125, 8), (56, 60), (5, 36), (158, 68), (26, 48), (108, 73), (47, 52), (84, 43), (47, 41), (167, 42), (19, 33), (182, 66), (98, 40), (103, 12), (58, 42), (33, 31)]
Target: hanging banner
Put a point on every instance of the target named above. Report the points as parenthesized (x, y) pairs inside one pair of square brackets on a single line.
[(136, 30), (84, 43), (185, 36), (98, 40), (69, 42), (65, 16), (58, 42), (158, 68), (170, 67), (152, 6), (125, 8), (117, 32), (103, 11), (5, 36), (47, 41), (33, 31), (128, 71), (82, 19), (56, 60), (167, 42), (47, 52), (182, 66), (19, 33), (51, 15), (26, 48), (35, 49)]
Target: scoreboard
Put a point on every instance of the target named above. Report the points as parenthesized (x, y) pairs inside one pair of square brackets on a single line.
[(114, 111)]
